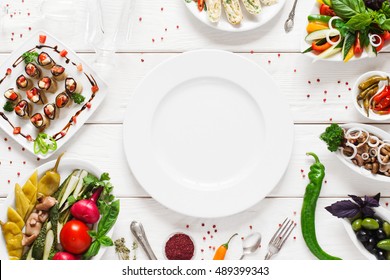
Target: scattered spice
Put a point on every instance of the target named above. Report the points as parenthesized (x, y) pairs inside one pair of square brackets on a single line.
[(121, 249), (179, 247)]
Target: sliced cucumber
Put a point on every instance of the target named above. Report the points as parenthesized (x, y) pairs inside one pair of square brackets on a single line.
[(68, 190), (320, 34), (329, 52), (48, 244)]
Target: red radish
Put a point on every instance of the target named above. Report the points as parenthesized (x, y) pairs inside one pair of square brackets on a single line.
[(64, 256), (42, 39), (86, 210)]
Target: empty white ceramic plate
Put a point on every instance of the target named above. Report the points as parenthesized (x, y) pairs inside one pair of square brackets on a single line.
[(208, 133)]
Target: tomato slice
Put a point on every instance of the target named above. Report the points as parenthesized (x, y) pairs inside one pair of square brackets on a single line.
[(42, 39), (63, 53), (17, 130), (326, 10)]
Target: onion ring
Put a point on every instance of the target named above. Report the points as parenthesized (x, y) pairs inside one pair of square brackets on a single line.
[(365, 156), (375, 144), (354, 151), (379, 154), (333, 32), (372, 41), (331, 20)]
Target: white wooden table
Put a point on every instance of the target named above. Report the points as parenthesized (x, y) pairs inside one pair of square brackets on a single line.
[(317, 93)]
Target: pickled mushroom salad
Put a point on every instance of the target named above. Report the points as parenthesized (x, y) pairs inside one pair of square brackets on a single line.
[(362, 148), (349, 27)]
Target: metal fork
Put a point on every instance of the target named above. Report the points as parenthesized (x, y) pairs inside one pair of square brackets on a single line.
[(280, 236)]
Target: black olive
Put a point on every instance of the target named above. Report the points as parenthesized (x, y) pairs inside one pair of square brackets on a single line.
[(380, 255), (362, 235), (370, 244), (380, 234), (380, 221)]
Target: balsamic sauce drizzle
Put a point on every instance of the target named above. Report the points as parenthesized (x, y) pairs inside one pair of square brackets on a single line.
[(65, 130)]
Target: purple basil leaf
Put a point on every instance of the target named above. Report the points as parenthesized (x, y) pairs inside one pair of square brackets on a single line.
[(344, 209), (357, 199), (377, 197), (371, 201), (368, 211)]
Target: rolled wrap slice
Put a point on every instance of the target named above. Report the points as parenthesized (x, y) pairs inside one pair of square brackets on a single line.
[(252, 6), (24, 83), (269, 2), (33, 71), (63, 100), (233, 11), (214, 9), (23, 109), (11, 95), (58, 72), (36, 96), (71, 86), (48, 84), (45, 60), (50, 111), (40, 121)]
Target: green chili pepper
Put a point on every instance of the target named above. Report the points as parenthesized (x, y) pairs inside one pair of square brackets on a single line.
[(42, 146), (316, 176)]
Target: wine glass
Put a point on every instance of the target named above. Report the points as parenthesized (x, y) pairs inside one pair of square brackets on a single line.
[(109, 26)]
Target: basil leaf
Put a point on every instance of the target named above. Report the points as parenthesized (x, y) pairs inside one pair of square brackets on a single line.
[(385, 25), (105, 177), (346, 9), (108, 218), (105, 241), (348, 44), (359, 21), (92, 233), (92, 250)]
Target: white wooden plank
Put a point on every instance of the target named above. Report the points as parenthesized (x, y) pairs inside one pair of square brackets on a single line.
[(102, 145), (160, 222), (169, 24), (330, 98)]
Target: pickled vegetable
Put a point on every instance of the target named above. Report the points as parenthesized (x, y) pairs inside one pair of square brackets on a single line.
[(50, 182), (13, 239), (14, 217), (21, 201)]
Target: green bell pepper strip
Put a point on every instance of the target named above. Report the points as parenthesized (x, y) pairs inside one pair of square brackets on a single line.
[(316, 176), (320, 18)]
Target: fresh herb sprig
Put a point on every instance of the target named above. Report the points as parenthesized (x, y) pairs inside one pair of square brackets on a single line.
[(8, 106), (30, 57), (333, 137), (77, 98), (354, 208)]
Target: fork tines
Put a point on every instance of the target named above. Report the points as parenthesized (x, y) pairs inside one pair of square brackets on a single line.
[(283, 233)]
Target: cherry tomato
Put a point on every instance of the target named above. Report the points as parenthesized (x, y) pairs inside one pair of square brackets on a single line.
[(74, 237)]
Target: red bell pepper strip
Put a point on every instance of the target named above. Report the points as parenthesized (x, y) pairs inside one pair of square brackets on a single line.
[(326, 10), (358, 50), (385, 92)]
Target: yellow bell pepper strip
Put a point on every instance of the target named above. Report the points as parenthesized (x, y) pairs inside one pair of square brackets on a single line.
[(315, 26), (221, 251), (349, 55)]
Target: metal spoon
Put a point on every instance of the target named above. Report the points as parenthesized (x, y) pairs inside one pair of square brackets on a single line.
[(139, 233), (289, 24), (251, 244)]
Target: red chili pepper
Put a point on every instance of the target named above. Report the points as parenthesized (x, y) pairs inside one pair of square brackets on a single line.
[(326, 10), (200, 5), (42, 39), (385, 92), (358, 50), (383, 104), (382, 112)]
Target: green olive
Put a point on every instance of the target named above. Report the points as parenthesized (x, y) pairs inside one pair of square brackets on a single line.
[(384, 244), (386, 228), (357, 224), (370, 223)]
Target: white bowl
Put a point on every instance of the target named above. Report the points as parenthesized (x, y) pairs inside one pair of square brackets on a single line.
[(382, 213), (355, 92), (383, 135)]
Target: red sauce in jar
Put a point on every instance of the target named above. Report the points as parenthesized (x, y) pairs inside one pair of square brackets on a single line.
[(179, 247)]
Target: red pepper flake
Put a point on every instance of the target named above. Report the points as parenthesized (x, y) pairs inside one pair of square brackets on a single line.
[(177, 27), (308, 82), (211, 236), (208, 232), (13, 33), (295, 238), (187, 226), (252, 51), (162, 9), (295, 212), (63, 53), (318, 80), (9, 71), (210, 247), (5, 139), (16, 130), (308, 96), (278, 54), (280, 225), (95, 89), (18, 174), (213, 248), (346, 83), (330, 119), (9, 148), (202, 224), (387, 204), (179, 247), (269, 61), (324, 100), (153, 40), (12, 39), (10, 162), (325, 91), (88, 105), (339, 82), (302, 170), (346, 107), (24, 162), (38, 159), (140, 19), (242, 238), (214, 226), (215, 230), (23, 149), (202, 250), (11, 16), (21, 35), (42, 39), (9, 181), (162, 38), (204, 238), (142, 60), (349, 89), (325, 181), (250, 227), (295, 70), (29, 28), (166, 29), (303, 176), (339, 96)]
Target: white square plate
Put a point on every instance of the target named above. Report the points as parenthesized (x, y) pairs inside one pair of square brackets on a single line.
[(87, 78)]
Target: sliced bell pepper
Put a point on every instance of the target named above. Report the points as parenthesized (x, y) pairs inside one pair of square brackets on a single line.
[(326, 10), (320, 46), (358, 50), (349, 55), (319, 18), (314, 26)]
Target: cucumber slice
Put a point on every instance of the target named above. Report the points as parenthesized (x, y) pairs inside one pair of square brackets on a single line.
[(48, 244), (329, 52), (69, 190)]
